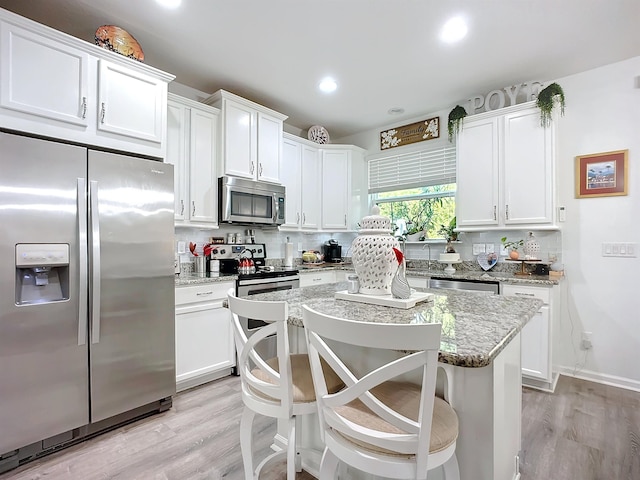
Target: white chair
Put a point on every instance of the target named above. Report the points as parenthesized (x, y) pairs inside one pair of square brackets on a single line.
[(279, 387), (379, 423)]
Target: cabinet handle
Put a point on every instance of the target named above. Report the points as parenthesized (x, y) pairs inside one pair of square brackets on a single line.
[(202, 294), (103, 111), (253, 167), (345, 219), (525, 294), (181, 207), (193, 204), (495, 213), (506, 212), (84, 107), (297, 218), (304, 218), (260, 173)]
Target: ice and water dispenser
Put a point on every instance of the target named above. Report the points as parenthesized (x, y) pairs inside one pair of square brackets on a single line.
[(42, 273)]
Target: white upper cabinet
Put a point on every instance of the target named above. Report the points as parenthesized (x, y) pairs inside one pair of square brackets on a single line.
[(300, 166), (61, 94), (336, 183), (130, 103), (58, 86), (505, 176), (191, 148), (250, 138)]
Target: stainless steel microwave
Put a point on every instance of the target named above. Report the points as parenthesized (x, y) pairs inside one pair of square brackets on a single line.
[(249, 202)]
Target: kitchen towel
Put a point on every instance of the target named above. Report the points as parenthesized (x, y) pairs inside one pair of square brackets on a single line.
[(288, 254)]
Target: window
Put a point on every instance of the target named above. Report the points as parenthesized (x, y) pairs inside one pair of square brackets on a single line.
[(416, 190)]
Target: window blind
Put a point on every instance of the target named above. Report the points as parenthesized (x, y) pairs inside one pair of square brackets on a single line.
[(422, 168)]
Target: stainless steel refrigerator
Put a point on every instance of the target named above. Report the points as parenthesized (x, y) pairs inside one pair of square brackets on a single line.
[(86, 292)]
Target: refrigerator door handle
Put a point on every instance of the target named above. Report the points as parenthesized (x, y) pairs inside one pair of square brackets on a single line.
[(82, 256), (95, 262)]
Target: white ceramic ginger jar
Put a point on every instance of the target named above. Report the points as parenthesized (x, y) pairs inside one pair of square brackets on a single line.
[(372, 254), (531, 247)]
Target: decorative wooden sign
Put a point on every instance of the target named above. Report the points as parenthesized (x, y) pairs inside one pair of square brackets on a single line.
[(415, 132)]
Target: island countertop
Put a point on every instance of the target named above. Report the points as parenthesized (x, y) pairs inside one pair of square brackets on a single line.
[(475, 327)]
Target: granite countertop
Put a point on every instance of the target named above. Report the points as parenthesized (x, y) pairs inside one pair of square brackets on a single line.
[(475, 327), (466, 273)]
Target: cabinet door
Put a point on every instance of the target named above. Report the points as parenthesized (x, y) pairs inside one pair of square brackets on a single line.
[(528, 163), (291, 177), (204, 344), (177, 127), (310, 199), (336, 179), (535, 346), (239, 136), (269, 148), (477, 174), (130, 103), (43, 78), (202, 167)]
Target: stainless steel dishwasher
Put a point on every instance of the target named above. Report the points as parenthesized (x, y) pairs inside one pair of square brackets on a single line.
[(473, 286)]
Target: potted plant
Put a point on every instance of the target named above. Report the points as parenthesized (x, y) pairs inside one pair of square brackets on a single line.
[(447, 231), (416, 232), (513, 246), (547, 99), (454, 124)]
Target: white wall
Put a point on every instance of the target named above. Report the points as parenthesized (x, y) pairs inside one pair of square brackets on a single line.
[(602, 295)]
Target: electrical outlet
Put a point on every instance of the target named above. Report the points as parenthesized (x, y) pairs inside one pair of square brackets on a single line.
[(299, 246), (503, 251), (478, 248), (182, 247), (586, 344)]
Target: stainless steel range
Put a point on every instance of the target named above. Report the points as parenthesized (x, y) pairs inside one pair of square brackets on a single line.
[(265, 279)]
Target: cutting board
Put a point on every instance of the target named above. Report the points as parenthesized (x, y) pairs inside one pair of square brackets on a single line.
[(385, 300)]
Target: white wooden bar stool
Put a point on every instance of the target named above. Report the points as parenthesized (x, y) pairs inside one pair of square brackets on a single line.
[(379, 423), (279, 387)]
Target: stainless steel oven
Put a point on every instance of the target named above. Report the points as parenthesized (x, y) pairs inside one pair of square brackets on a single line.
[(264, 281)]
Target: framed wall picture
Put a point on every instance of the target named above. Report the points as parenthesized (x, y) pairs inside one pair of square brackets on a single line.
[(602, 174)]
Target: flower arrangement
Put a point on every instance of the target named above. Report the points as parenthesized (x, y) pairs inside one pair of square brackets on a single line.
[(454, 123)]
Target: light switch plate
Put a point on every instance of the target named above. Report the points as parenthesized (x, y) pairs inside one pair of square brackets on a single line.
[(489, 248)]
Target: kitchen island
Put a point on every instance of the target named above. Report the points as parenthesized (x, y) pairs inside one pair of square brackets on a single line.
[(479, 367)]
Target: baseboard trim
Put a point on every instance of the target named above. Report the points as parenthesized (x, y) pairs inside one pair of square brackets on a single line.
[(611, 380)]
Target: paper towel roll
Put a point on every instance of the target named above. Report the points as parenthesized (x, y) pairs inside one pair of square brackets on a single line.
[(288, 254)]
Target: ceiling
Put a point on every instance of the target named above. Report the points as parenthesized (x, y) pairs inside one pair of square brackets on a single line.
[(383, 53)]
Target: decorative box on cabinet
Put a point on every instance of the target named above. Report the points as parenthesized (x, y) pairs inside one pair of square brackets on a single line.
[(537, 337), (300, 165), (191, 148), (58, 86), (204, 337), (250, 137), (505, 171)]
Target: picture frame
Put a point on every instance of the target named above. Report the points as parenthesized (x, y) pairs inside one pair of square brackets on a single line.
[(602, 174)]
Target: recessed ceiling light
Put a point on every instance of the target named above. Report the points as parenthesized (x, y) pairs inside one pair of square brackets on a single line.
[(328, 85), (170, 3), (395, 111), (454, 30)]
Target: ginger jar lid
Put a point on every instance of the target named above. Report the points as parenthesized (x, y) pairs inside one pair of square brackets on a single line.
[(375, 223)]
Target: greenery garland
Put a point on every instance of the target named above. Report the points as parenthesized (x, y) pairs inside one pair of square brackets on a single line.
[(455, 120), (547, 98)]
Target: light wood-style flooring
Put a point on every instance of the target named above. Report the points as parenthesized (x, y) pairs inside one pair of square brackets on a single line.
[(583, 431)]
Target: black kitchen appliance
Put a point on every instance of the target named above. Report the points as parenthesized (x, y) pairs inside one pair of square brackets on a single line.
[(332, 251)]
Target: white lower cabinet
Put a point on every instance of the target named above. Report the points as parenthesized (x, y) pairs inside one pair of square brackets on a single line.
[(204, 338), (537, 336)]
